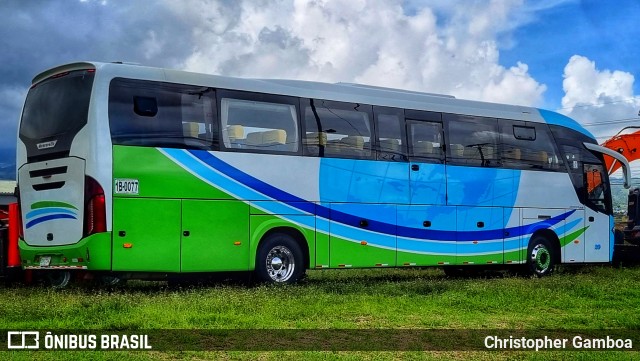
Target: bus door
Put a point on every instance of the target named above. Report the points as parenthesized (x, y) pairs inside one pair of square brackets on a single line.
[(427, 170), (430, 221), (598, 218), (593, 237)]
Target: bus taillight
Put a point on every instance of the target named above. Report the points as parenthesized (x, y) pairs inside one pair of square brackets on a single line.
[(95, 214), (15, 228), (18, 215)]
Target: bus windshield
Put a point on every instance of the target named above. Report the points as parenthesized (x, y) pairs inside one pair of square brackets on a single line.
[(58, 105)]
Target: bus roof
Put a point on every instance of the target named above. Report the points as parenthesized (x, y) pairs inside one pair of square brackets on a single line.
[(346, 92)]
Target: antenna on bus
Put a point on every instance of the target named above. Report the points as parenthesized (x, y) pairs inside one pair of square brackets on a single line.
[(402, 91)]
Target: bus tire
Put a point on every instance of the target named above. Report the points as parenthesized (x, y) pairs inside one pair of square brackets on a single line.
[(454, 272), (279, 260), (109, 280), (541, 258), (58, 279)]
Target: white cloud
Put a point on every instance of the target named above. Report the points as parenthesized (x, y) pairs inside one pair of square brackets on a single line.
[(364, 41), (602, 100), (603, 97), (152, 45)]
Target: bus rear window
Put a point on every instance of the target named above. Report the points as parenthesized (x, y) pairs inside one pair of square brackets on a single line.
[(57, 106)]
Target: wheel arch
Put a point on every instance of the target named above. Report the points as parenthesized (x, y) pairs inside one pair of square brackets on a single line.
[(294, 233), (552, 237)]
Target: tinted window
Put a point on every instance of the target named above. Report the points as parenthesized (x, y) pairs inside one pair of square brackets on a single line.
[(572, 148), (576, 155), (161, 114), (597, 187), (253, 123), (425, 140), (527, 145), (54, 112), (390, 129), (472, 140), (589, 177), (57, 105), (569, 136), (334, 129), (524, 133)]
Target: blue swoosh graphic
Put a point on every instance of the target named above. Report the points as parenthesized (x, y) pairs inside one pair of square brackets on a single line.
[(48, 218), (41, 211), (348, 219)]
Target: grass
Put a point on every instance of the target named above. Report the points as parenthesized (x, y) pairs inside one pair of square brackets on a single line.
[(595, 297)]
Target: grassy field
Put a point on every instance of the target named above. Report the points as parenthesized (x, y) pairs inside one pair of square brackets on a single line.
[(595, 297)]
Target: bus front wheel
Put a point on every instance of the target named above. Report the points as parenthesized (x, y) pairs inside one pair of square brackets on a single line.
[(540, 257), (279, 259)]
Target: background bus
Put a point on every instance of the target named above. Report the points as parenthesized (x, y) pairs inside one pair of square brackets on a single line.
[(132, 171)]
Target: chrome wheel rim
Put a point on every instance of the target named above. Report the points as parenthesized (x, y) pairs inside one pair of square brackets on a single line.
[(541, 258), (280, 264)]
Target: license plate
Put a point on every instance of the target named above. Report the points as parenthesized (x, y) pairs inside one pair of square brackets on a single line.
[(45, 261), (125, 186)]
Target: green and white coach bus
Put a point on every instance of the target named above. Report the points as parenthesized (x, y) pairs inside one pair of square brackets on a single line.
[(133, 171)]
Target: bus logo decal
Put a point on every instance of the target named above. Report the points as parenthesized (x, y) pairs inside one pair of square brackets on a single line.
[(49, 210), (47, 145)]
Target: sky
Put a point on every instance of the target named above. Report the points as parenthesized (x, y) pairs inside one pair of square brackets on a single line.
[(577, 57)]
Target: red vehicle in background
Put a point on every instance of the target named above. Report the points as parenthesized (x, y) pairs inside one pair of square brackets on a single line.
[(9, 228)]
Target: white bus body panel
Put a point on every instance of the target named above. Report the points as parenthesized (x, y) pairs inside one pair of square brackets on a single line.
[(53, 204)]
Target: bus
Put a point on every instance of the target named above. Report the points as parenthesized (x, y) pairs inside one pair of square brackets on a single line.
[(126, 171)]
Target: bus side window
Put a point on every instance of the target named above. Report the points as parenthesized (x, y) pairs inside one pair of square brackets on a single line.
[(250, 122), (390, 138), (335, 129), (528, 145), (157, 114), (474, 140), (425, 141), (198, 119), (587, 174)]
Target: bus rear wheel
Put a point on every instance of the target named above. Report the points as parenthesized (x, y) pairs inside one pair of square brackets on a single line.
[(541, 259), (58, 279), (279, 260)]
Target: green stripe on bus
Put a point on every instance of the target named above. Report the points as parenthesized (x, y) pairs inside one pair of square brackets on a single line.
[(570, 237), (45, 204)]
